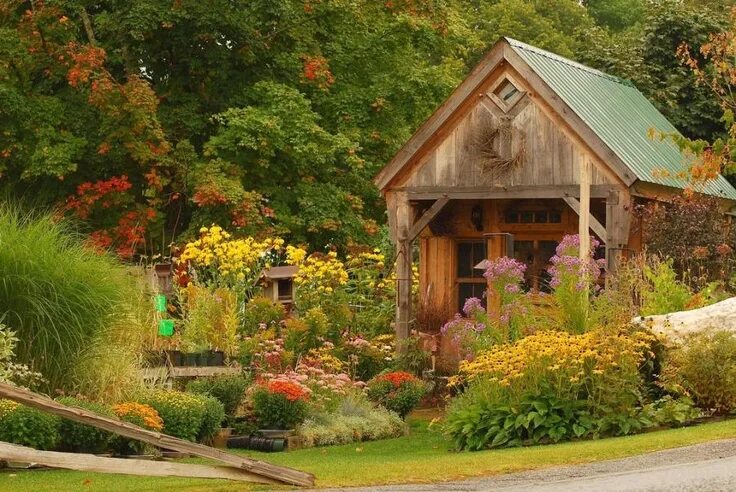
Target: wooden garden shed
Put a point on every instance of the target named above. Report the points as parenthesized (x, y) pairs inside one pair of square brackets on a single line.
[(530, 147)]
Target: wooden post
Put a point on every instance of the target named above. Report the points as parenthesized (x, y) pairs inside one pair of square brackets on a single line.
[(584, 216), (618, 226), (404, 272), (403, 291), (400, 221)]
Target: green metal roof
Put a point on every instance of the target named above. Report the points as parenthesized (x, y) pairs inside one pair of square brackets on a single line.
[(621, 116)]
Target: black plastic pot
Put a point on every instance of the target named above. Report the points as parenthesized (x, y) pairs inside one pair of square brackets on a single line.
[(255, 443), (174, 357), (190, 360), (216, 358), (203, 358)]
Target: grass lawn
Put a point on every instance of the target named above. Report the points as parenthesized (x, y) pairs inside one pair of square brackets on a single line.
[(423, 456)]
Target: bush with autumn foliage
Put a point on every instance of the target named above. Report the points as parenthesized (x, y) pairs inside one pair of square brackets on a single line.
[(699, 241)]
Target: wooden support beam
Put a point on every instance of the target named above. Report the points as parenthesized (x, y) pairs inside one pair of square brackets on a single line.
[(403, 220), (268, 471), (618, 226), (509, 192), (595, 226), (92, 463), (427, 216), (584, 210)]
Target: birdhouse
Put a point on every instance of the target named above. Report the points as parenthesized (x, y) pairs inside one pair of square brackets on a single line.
[(278, 284)]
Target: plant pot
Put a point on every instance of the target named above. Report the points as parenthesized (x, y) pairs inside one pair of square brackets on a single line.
[(190, 359), (265, 444), (203, 358), (217, 358), (219, 440), (174, 357)]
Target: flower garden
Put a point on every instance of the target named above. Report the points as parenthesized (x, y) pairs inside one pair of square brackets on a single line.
[(324, 369)]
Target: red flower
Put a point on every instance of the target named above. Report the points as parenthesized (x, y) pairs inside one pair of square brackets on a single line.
[(397, 378)]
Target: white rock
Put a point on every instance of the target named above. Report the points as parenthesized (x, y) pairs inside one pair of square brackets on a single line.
[(721, 315)]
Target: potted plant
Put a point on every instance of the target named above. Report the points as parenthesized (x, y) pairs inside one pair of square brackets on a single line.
[(172, 351)]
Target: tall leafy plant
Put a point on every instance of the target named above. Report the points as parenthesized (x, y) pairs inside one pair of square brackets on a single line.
[(573, 280), (59, 296)]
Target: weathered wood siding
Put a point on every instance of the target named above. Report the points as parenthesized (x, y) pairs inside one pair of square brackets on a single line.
[(552, 157)]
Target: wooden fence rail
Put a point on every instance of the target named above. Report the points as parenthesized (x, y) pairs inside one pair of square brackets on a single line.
[(266, 471)]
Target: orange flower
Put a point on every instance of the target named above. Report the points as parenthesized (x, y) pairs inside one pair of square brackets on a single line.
[(139, 413)]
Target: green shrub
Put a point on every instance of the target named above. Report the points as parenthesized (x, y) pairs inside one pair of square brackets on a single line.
[(57, 294), (280, 405), (662, 292), (307, 332), (81, 438), (399, 392), (261, 313), (230, 390), (355, 420), (27, 426), (703, 366), (182, 413), (214, 414), (673, 412)]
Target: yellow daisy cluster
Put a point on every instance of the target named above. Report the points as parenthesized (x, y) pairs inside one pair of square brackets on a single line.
[(7, 407), (557, 356), (215, 250), (323, 273)]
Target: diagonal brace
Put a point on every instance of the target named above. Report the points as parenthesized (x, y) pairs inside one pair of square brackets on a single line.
[(427, 216), (596, 226)]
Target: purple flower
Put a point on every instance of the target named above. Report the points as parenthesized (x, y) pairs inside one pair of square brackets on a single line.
[(567, 265), (505, 268), (472, 305)]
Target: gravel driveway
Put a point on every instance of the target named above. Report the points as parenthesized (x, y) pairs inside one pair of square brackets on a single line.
[(703, 467)]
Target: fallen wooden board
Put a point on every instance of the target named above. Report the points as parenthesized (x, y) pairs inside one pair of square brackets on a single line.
[(277, 474), (92, 463)]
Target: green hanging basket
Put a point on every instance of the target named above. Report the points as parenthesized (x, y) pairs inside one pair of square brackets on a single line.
[(166, 327)]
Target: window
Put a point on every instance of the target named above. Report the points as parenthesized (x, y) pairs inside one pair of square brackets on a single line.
[(506, 91), (514, 216), (470, 281), (506, 94)]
